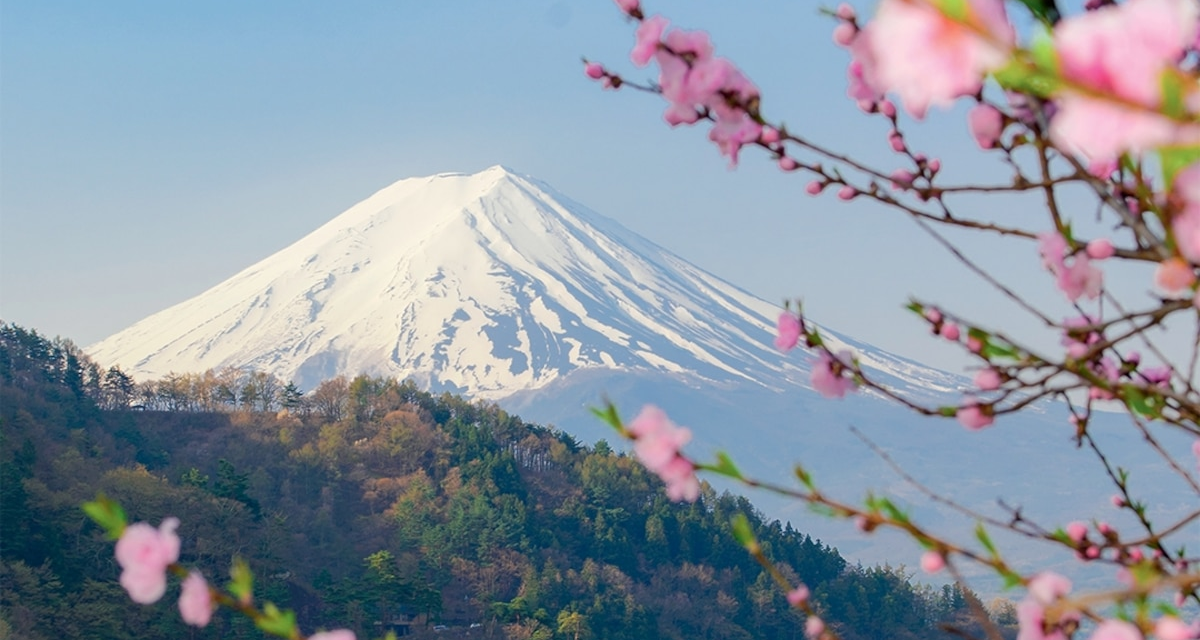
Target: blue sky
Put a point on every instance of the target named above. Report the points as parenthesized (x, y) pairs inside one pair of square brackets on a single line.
[(149, 150)]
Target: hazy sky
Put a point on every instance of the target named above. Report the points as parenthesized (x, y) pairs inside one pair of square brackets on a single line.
[(149, 150)]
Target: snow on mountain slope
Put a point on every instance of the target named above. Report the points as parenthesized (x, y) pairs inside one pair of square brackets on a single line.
[(486, 284)]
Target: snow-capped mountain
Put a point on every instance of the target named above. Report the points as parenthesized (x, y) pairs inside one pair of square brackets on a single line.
[(487, 284), (496, 286)]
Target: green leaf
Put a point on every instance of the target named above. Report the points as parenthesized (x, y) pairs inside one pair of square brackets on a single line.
[(1044, 10), (725, 466), (1176, 159), (916, 308), (805, 478), (1174, 89), (242, 584), (1041, 50), (985, 540), (1139, 402), (609, 414), (822, 509), (743, 533), (105, 512), (954, 9), (992, 350), (948, 412), (892, 510), (276, 622), (1010, 579)]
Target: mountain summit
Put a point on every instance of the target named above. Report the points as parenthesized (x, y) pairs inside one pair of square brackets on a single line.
[(486, 284)]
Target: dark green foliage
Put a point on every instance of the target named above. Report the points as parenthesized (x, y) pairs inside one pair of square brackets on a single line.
[(372, 505)]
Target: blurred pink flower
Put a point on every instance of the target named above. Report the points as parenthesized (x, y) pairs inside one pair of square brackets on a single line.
[(932, 562), (656, 444), (798, 596), (974, 416), (1116, 630), (787, 331), (1122, 51), (1174, 277), (1044, 589), (1172, 628), (648, 35), (987, 379), (627, 5), (986, 124), (1186, 222), (144, 554), (826, 381), (929, 59), (195, 601)]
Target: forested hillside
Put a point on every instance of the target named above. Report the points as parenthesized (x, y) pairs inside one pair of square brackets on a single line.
[(373, 505)]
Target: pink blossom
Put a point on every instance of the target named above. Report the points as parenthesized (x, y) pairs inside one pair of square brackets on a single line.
[(340, 634), (1196, 452), (815, 187), (657, 442), (657, 439), (680, 477), (770, 135), (846, 12), (986, 124), (1075, 279), (787, 331), (788, 164), (798, 596), (987, 379), (844, 33), (1077, 531), (1118, 501), (144, 554), (594, 70), (951, 332), (975, 416), (814, 627), (1121, 51), (628, 6), (1172, 628), (928, 58), (1053, 248), (1185, 225), (1100, 249), (195, 600), (1081, 279), (932, 562), (648, 35), (847, 192), (826, 381), (1116, 630), (1174, 277), (1044, 590), (901, 178)]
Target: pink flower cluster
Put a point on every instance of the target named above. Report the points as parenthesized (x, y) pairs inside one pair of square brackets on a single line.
[(195, 600), (787, 331), (144, 554), (828, 375), (1076, 279), (1044, 590), (694, 81), (1185, 227), (913, 49), (657, 442), (1114, 59)]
